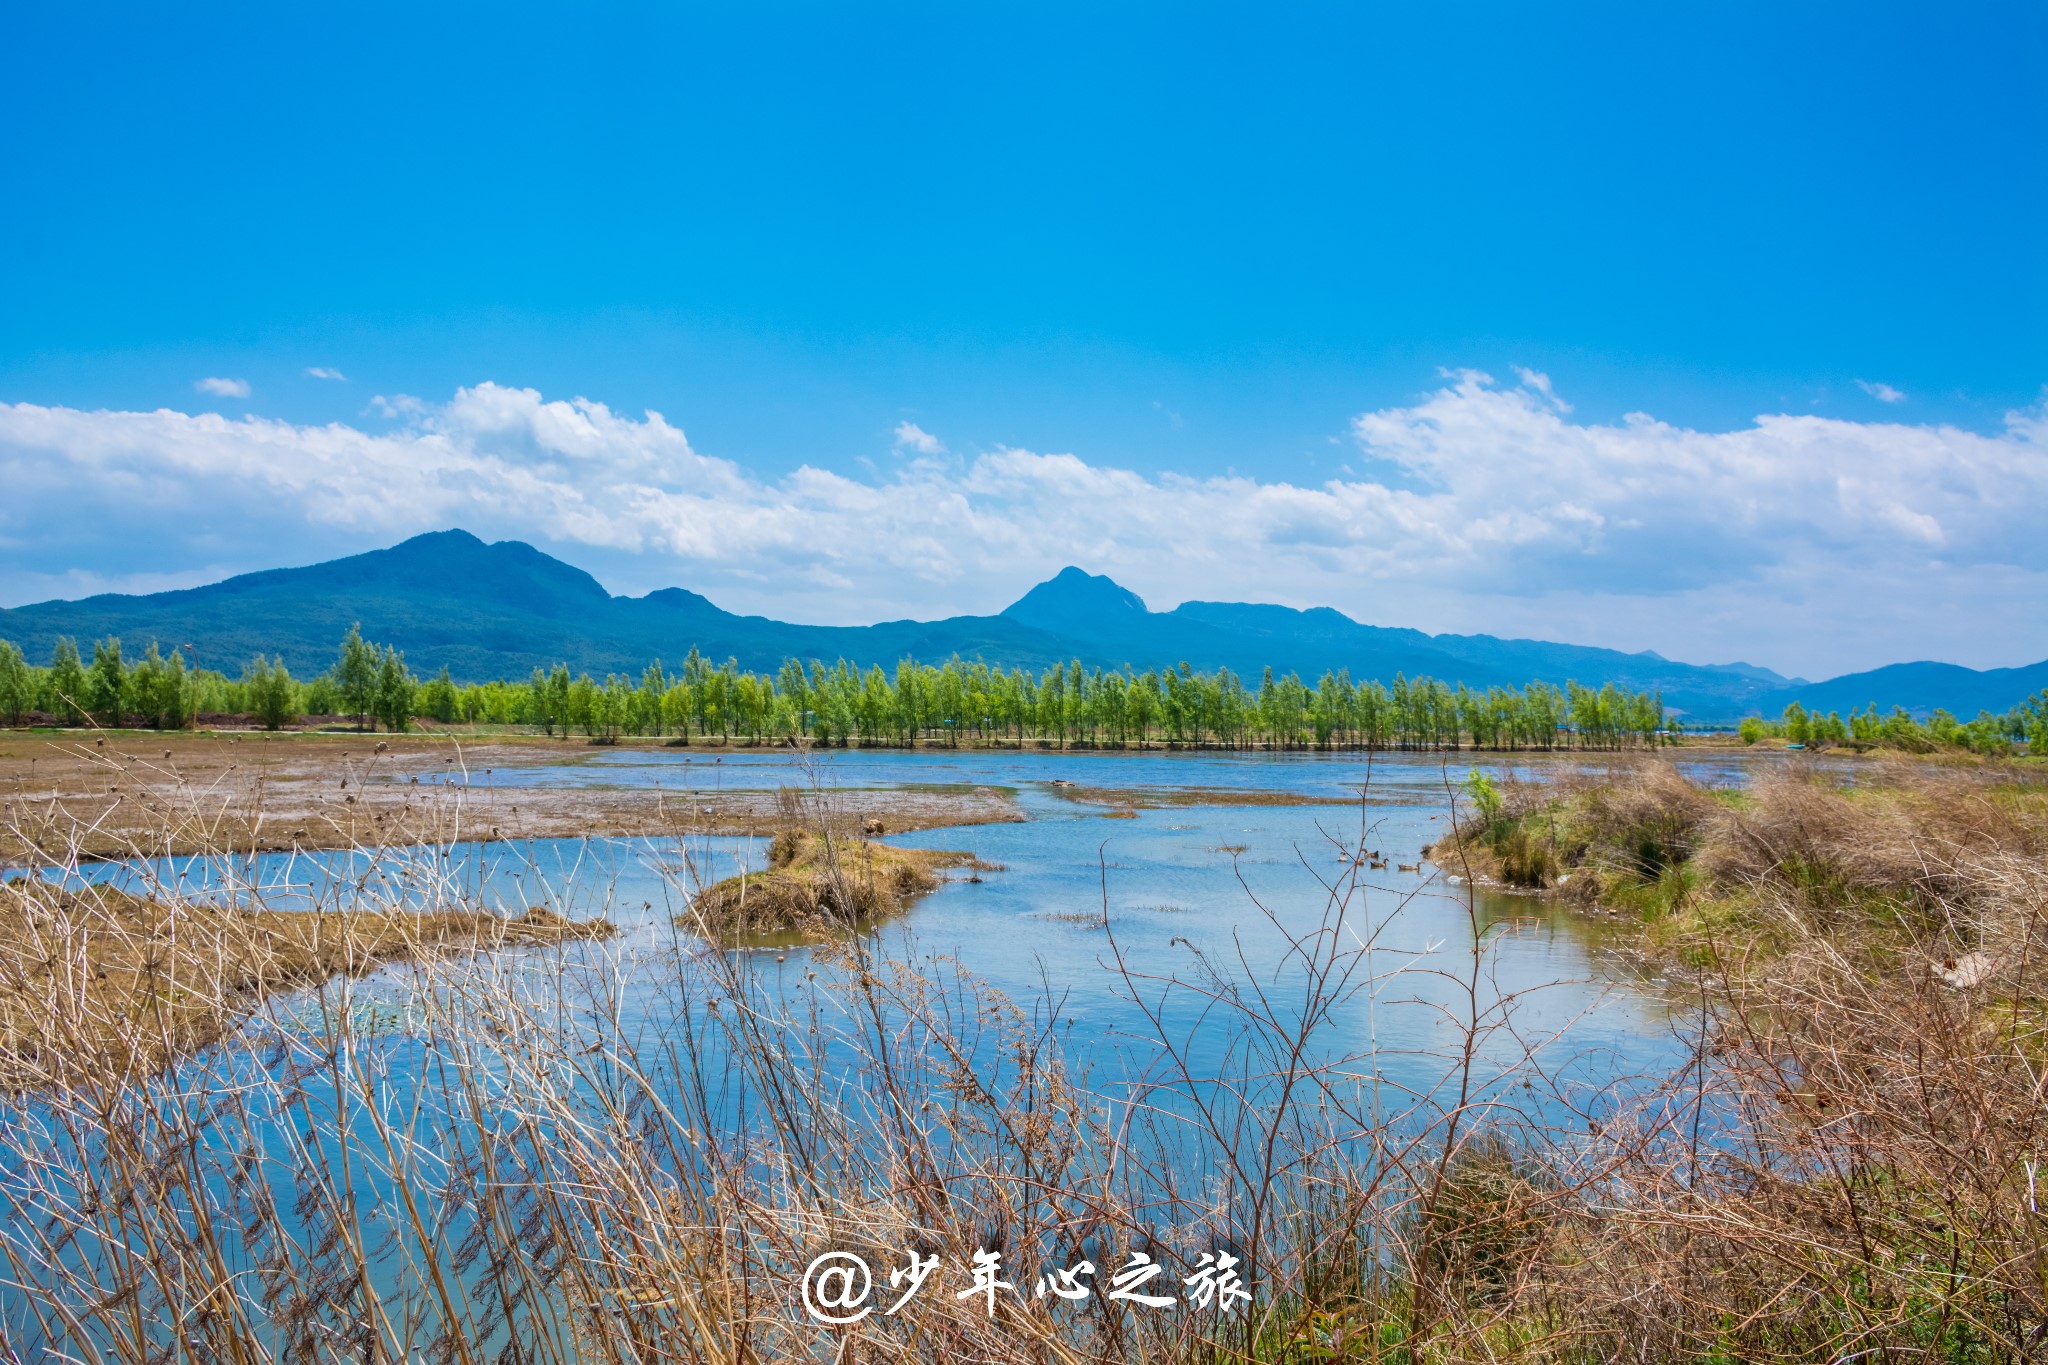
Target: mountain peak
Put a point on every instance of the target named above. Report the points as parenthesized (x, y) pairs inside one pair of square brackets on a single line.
[(451, 562), (1072, 600)]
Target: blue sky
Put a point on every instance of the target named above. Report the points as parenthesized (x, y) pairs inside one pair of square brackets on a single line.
[(1184, 243)]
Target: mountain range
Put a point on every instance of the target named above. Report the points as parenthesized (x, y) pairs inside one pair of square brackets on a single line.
[(499, 610)]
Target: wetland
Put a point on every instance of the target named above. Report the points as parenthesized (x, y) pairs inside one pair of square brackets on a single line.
[(1390, 1029)]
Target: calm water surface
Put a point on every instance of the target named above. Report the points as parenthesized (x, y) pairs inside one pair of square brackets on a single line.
[(1104, 924), (1088, 910)]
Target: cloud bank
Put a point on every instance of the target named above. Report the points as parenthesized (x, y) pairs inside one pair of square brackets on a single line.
[(1811, 544)]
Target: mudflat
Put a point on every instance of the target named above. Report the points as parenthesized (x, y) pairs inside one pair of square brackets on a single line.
[(128, 793)]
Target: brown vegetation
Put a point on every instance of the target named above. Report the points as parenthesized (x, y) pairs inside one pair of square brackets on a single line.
[(1849, 1166), (95, 981), (818, 885), (1626, 821)]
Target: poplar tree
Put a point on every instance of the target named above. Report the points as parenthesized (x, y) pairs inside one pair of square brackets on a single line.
[(270, 693), (106, 685), (1797, 728), (65, 685), (440, 699), (356, 675), (647, 701), (395, 692), (160, 689), (17, 684)]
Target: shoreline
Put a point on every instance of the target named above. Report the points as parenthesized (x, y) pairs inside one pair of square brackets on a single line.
[(427, 731), (113, 798), (110, 796)]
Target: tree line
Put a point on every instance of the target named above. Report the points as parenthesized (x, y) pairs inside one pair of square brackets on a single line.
[(1987, 734), (957, 702)]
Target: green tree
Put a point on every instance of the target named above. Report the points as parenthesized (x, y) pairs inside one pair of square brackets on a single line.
[(558, 698), (106, 685), (270, 693), (64, 686), (160, 689), (2035, 716), (538, 712), (17, 684), (357, 675), (321, 697), (439, 698), (581, 711), (612, 708), (396, 691), (647, 699), (1798, 727)]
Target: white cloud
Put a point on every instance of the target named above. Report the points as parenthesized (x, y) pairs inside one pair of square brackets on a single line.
[(223, 388), (1539, 382), (911, 436), (1883, 393), (324, 372), (1812, 544), (401, 405)]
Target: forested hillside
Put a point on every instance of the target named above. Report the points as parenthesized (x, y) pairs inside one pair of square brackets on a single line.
[(483, 612)]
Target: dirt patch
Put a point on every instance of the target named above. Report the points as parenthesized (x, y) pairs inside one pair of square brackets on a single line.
[(98, 983), (127, 795), (818, 887)]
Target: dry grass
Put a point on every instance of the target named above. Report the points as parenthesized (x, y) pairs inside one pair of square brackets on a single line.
[(1628, 820), (1849, 1166), (629, 1153), (98, 981), (819, 886)]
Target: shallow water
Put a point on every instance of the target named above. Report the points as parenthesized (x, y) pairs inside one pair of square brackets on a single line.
[(1392, 776), (1095, 913), (1138, 935)]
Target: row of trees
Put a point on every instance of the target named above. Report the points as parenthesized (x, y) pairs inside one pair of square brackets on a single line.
[(1987, 734), (1067, 705), (951, 703), (841, 703), (159, 691)]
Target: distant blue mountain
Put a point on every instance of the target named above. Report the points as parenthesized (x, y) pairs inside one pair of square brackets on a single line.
[(1919, 687), (500, 610), (486, 611), (1083, 605)]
